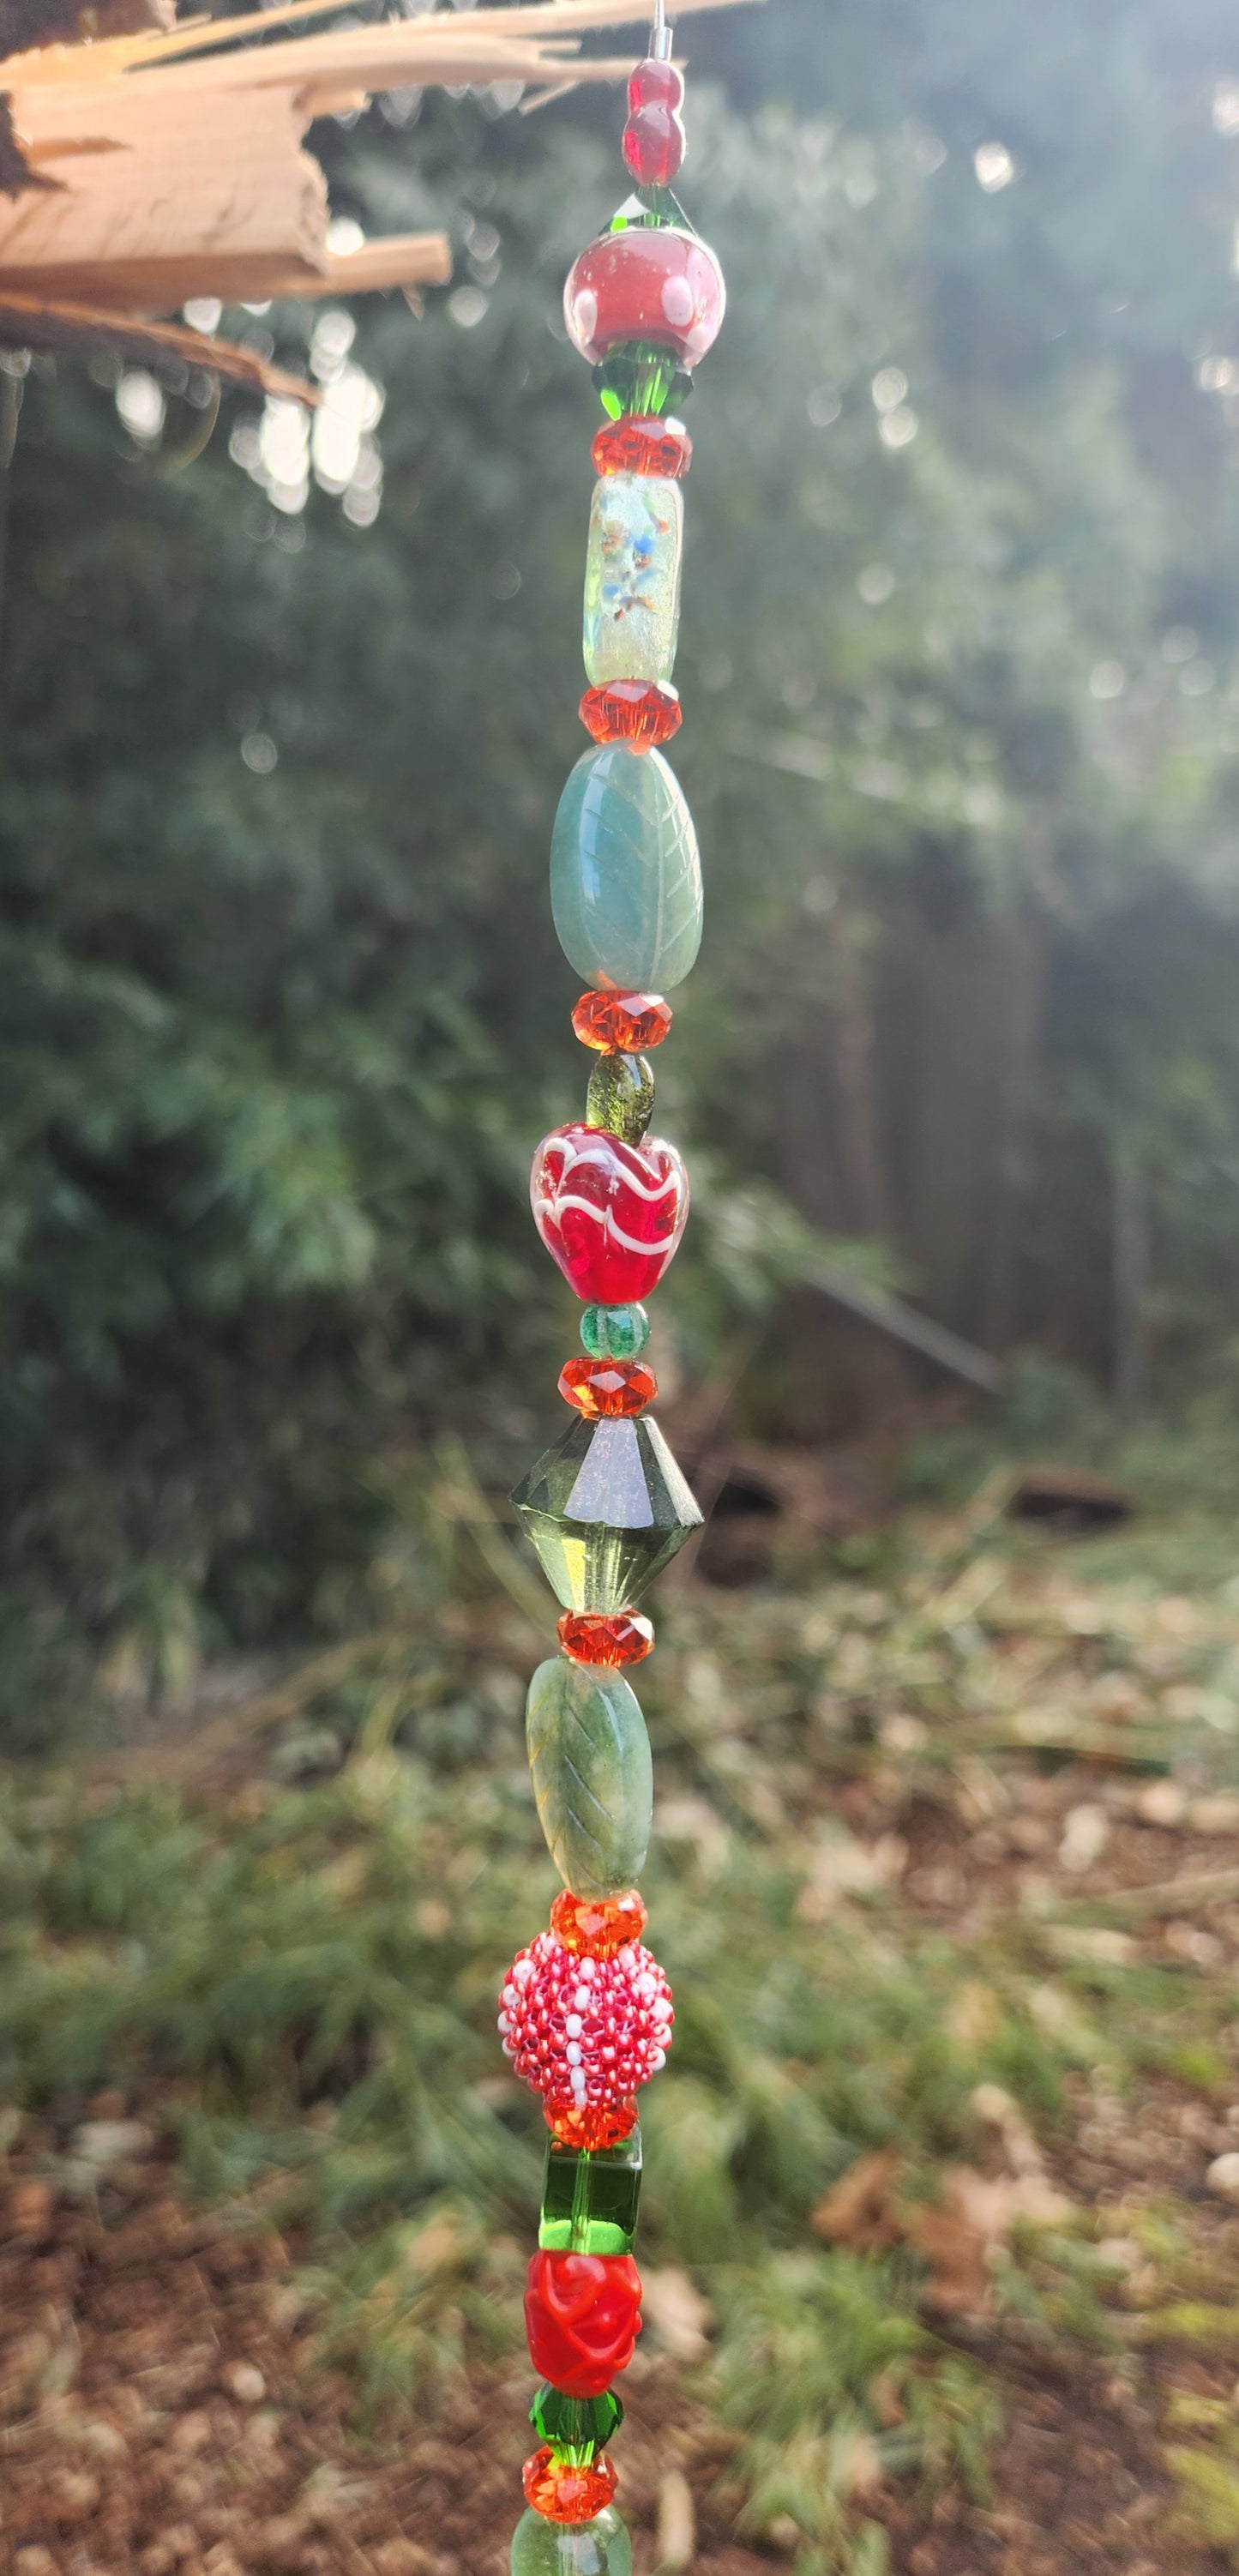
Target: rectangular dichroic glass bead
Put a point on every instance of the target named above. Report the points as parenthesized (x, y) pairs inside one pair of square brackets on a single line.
[(632, 578)]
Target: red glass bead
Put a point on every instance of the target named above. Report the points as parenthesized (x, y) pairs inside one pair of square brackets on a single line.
[(595, 1927), (608, 1390), (585, 2032), (564, 2494), (654, 145), (637, 444), (611, 1214), (622, 1023), (650, 282), (582, 2318), (642, 713), (655, 84), (590, 2130), (590, 1637)]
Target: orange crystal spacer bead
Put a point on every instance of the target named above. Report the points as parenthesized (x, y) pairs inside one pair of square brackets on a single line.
[(591, 1637), (597, 1927), (608, 2126), (622, 1023), (641, 713), (607, 1390), (564, 2493), (642, 444)]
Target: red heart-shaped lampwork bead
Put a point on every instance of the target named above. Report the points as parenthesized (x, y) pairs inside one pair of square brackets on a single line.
[(611, 1214)]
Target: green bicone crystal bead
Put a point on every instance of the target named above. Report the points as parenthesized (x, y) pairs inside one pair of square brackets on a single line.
[(626, 872), (598, 2548), (621, 1096), (578, 2428), (590, 2202), (606, 1509), (641, 377), (614, 1332), (593, 1780)]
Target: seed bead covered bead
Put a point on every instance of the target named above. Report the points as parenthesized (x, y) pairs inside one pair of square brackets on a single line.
[(614, 1332), (582, 2319), (637, 443), (589, 1638), (597, 1927), (584, 2033), (607, 1390), (563, 2491), (621, 1023), (642, 713)]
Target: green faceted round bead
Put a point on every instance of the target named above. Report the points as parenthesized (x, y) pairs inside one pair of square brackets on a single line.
[(614, 1332), (578, 2428), (598, 2548), (621, 1096)]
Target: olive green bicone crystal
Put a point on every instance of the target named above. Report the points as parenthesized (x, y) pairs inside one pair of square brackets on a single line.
[(621, 1096), (598, 2548), (593, 1779), (606, 1509), (590, 2201)]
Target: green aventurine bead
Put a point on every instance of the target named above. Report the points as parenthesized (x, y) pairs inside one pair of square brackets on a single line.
[(598, 2548), (614, 1332), (605, 1508), (577, 2427), (626, 872), (621, 1096), (593, 1779), (590, 2202)]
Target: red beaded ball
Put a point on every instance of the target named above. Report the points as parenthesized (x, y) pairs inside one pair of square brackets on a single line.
[(584, 2033), (641, 443), (595, 1927), (564, 2493), (622, 1023), (654, 145), (650, 282), (591, 1637), (642, 713), (582, 2318), (608, 1390)]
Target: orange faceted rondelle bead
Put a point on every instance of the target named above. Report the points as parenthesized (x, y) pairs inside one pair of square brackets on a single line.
[(643, 444), (607, 1390), (642, 713), (622, 1023), (606, 2126), (564, 2493), (597, 1927), (591, 1637)]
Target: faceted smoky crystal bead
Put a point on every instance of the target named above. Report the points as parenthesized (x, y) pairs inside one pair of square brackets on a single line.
[(606, 1509), (590, 2202)]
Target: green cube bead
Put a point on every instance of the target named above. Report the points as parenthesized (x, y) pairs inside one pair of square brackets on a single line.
[(598, 2548), (614, 1332), (577, 2428), (590, 2202), (621, 1096)]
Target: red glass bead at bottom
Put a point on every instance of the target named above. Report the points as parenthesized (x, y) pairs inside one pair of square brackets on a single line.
[(641, 713), (621, 1023), (654, 145), (606, 2126), (597, 1927), (607, 1390), (564, 2494), (643, 443), (590, 1637)]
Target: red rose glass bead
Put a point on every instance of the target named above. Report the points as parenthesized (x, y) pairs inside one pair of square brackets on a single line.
[(564, 2493), (591, 1637), (585, 2032), (622, 1023), (641, 443), (608, 1390), (595, 1927), (650, 282), (611, 1214), (643, 713), (582, 2318)]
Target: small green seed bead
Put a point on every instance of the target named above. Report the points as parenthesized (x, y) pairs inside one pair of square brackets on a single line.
[(577, 2428), (598, 2548), (614, 1332), (621, 1097)]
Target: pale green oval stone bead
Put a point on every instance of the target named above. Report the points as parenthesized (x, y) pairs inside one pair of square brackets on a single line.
[(626, 873), (632, 578), (598, 2548), (593, 1779)]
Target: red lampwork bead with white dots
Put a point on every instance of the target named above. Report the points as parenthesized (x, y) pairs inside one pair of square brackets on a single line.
[(651, 282), (585, 2032)]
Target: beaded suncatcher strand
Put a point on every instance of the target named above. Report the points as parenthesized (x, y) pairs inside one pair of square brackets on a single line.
[(585, 2013)]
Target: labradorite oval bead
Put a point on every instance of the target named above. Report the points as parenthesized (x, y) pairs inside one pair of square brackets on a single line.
[(593, 1779), (626, 872), (621, 1096), (598, 2548), (614, 1332)]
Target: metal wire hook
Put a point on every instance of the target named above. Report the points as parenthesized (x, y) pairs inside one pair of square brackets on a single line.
[(662, 36)]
